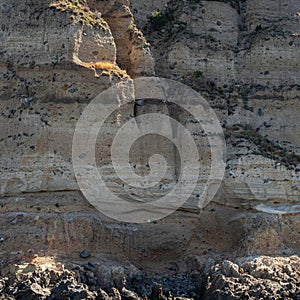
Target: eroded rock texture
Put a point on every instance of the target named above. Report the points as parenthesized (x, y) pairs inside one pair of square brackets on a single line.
[(242, 56)]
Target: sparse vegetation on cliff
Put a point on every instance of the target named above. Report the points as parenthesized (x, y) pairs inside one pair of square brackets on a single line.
[(198, 74), (266, 147), (80, 11), (108, 68), (159, 19)]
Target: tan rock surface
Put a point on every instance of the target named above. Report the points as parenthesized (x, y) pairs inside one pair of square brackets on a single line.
[(242, 58)]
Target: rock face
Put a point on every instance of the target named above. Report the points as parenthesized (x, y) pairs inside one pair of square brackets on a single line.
[(245, 59), (242, 56), (47, 66), (263, 277)]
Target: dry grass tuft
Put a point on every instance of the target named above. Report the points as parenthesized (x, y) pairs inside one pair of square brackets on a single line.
[(106, 66)]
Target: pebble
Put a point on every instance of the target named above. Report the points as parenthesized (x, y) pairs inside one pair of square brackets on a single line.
[(85, 253)]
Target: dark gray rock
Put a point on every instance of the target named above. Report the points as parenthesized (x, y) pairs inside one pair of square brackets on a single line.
[(85, 253)]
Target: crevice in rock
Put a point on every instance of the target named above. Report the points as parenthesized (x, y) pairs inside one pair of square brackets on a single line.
[(132, 50)]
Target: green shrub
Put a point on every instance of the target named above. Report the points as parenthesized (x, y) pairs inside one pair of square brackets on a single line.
[(258, 28), (158, 20), (198, 74)]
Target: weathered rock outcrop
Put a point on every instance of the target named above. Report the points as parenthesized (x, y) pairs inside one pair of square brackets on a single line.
[(51, 53), (242, 56), (263, 277), (245, 278)]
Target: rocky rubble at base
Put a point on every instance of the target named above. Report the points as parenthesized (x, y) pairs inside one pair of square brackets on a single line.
[(66, 285), (32, 281), (246, 278), (259, 278)]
